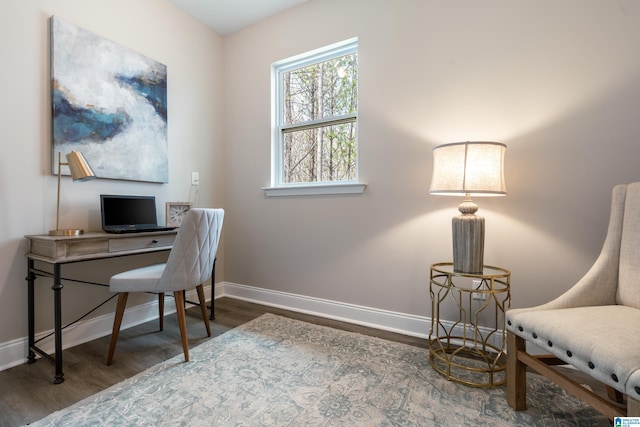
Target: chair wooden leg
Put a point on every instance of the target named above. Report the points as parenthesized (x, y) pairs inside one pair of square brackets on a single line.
[(633, 407), (182, 322), (117, 321), (203, 308), (161, 310), (614, 394), (516, 373)]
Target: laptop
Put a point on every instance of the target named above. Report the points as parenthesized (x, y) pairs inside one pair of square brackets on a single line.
[(129, 214)]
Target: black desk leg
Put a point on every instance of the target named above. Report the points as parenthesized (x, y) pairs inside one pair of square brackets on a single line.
[(57, 300), (212, 315), (213, 288), (31, 277)]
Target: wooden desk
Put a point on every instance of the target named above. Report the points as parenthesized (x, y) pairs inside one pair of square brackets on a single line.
[(59, 250)]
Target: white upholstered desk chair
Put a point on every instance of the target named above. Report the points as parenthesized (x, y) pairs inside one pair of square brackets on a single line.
[(189, 265)]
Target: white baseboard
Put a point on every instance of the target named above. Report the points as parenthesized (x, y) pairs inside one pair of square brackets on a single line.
[(402, 323), (15, 352)]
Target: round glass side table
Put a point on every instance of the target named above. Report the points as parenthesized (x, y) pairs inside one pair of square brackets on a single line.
[(469, 348)]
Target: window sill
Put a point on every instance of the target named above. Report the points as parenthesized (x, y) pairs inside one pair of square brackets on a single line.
[(314, 190)]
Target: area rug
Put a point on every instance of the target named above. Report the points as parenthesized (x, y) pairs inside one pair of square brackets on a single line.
[(275, 371)]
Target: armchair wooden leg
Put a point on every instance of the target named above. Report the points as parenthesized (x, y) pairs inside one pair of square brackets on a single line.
[(161, 310), (614, 394), (516, 373), (117, 321), (182, 322), (203, 308), (633, 407)]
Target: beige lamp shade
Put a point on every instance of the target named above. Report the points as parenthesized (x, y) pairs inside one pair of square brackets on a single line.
[(475, 168)]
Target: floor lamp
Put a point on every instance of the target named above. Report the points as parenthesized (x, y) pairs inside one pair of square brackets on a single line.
[(80, 171), (466, 168)]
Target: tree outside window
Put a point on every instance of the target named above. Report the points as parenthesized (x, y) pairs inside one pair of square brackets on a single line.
[(317, 113)]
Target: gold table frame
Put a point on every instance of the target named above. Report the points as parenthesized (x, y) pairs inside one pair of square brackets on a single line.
[(465, 350)]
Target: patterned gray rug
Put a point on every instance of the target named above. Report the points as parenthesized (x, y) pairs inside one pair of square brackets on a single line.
[(275, 371)]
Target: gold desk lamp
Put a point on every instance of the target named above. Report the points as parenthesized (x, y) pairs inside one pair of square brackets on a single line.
[(80, 171)]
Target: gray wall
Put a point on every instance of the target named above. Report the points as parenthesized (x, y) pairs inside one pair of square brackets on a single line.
[(157, 29), (557, 81)]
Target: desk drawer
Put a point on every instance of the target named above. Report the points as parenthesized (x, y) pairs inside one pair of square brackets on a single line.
[(64, 249), (141, 242), (89, 247)]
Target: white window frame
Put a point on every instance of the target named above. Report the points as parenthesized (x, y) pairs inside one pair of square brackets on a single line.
[(278, 187)]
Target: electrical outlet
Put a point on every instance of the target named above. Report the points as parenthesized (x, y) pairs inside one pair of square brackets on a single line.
[(195, 178), (479, 286)]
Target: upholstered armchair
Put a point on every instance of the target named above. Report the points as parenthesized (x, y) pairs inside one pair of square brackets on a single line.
[(594, 326)]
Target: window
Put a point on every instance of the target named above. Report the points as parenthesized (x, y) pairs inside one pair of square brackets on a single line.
[(316, 118)]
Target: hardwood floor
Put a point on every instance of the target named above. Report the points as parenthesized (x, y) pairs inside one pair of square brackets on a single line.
[(27, 392)]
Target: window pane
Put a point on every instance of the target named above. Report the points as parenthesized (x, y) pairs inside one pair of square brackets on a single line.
[(325, 153), (320, 90)]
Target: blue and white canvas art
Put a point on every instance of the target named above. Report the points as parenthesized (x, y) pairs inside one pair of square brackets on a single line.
[(109, 103)]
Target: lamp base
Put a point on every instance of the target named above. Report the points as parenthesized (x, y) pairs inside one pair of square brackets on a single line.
[(468, 243), (67, 232)]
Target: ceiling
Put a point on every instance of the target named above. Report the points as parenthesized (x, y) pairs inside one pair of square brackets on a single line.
[(227, 16)]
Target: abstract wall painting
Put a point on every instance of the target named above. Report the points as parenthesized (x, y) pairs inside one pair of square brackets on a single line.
[(109, 103)]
